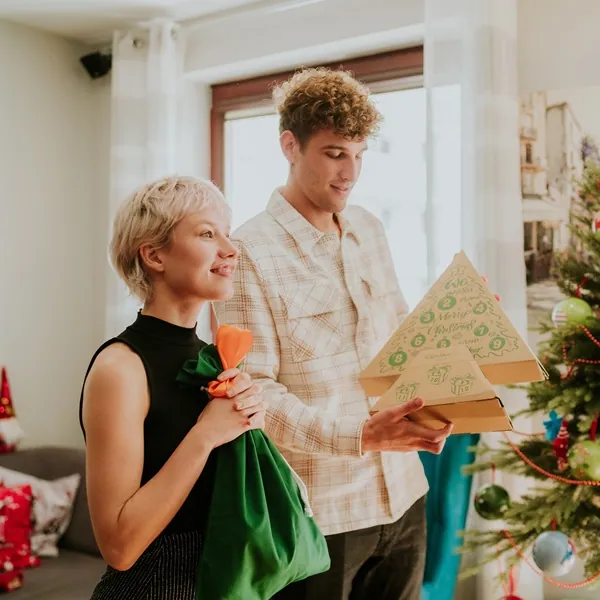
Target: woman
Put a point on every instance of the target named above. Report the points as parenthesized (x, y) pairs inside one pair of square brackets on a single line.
[(149, 446)]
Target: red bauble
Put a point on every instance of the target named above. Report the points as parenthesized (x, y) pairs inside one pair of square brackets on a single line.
[(513, 598)]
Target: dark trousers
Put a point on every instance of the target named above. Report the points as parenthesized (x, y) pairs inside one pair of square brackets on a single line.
[(379, 563)]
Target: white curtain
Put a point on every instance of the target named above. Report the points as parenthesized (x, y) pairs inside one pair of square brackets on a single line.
[(474, 195), (147, 129)]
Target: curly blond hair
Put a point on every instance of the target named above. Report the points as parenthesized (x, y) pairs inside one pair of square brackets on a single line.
[(318, 98), (149, 216)]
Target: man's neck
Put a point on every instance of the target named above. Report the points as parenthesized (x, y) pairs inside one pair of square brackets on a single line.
[(319, 219)]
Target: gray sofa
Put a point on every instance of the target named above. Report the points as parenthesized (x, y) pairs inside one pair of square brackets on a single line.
[(73, 574)]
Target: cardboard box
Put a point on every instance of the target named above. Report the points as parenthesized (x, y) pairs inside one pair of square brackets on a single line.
[(450, 350)]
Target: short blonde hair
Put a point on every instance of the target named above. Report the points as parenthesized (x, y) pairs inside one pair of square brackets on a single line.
[(316, 99), (148, 216)]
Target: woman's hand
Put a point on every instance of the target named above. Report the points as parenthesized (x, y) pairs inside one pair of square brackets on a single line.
[(225, 419)]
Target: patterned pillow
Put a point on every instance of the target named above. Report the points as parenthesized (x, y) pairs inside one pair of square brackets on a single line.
[(15, 528), (10, 579), (52, 507)]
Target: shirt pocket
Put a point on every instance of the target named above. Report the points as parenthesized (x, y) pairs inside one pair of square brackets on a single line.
[(385, 307), (314, 320)]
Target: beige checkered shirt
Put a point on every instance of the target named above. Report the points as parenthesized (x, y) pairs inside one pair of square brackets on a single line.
[(320, 308)]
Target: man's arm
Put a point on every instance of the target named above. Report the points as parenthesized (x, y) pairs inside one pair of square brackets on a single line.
[(289, 422)]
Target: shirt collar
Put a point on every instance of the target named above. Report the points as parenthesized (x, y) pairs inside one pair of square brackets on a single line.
[(304, 233)]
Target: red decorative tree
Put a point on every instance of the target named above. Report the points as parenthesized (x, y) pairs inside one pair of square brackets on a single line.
[(10, 430)]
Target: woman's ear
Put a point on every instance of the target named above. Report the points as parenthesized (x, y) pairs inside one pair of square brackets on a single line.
[(151, 258)]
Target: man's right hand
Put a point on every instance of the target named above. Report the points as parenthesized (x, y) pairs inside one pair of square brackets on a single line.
[(390, 430)]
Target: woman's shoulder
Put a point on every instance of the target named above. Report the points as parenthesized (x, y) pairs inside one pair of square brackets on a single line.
[(116, 380), (117, 365)]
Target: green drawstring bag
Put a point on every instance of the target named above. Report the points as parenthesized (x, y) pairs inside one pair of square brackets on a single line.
[(260, 535)]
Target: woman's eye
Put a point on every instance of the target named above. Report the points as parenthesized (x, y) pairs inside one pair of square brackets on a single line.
[(207, 234)]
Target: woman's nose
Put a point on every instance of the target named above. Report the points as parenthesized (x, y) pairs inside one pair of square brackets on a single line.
[(228, 249)]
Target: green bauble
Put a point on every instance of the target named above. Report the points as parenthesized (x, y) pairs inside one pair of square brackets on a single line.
[(492, 501), (584, 460), (573, 311)]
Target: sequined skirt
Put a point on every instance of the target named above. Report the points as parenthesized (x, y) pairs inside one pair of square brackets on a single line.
[(165, 571)]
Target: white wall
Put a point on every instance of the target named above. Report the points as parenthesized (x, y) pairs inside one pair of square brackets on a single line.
[(558, 44), (254, 43), (50, 300)]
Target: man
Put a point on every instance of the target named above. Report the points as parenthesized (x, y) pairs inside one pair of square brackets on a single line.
[(316, 286)]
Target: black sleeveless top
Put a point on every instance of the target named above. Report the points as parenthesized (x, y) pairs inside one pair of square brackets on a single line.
[(173, 410)]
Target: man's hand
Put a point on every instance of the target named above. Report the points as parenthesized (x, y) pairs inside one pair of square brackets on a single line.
[(486, 280), (390, 430)]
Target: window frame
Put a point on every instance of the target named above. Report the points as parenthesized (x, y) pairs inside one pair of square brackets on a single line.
[(382, 72)]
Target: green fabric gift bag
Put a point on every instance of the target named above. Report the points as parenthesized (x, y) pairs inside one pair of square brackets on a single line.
[(260, 535)]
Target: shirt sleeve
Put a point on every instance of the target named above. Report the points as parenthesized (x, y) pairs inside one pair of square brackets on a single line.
[(290, 422)]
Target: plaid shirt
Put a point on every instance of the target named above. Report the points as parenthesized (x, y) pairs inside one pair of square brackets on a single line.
[(320, 307)]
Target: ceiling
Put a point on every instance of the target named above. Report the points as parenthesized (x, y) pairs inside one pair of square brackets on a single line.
[(92, 21)]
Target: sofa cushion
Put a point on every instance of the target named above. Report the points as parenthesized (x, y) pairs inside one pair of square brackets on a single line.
[(15, 527), (52, 507), (51, 463), (71, 576)]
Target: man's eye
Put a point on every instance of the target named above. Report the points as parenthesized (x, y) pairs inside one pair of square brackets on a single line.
[(334, 154)]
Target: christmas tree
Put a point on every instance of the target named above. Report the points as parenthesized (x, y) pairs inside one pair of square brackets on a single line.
[(560, 516)]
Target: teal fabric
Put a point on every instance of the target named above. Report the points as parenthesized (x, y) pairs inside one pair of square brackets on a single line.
[(447, 507)]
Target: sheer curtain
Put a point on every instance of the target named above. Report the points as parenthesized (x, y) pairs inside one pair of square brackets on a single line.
[(476, 205), (146, 129)]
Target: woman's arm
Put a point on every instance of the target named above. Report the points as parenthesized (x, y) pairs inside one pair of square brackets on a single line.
[(126, 517)]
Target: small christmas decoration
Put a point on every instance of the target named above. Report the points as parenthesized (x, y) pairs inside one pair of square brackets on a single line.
[(561, 446), (596, 223), (584, 460), (554, 553), (552, 425), (10, 430), (491, 501), (572, 311)]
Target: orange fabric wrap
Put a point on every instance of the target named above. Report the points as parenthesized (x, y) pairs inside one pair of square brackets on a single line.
[(233, 345)]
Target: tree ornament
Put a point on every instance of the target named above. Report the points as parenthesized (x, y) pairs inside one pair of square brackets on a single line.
[(584, 460), (554, 553), (491, 501), (572, 311), (552, 425), (596, 224), (561, 446)]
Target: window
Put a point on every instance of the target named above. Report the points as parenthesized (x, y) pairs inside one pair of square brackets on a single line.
[(528, 236), (248, 163), (528, 154)]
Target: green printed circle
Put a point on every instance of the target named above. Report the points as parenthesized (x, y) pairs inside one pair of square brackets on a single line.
[(398, 358), (445, 343), (428, 317), (481, 330), (418, 341), (497, 343), (446, 303), (480, 308)]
